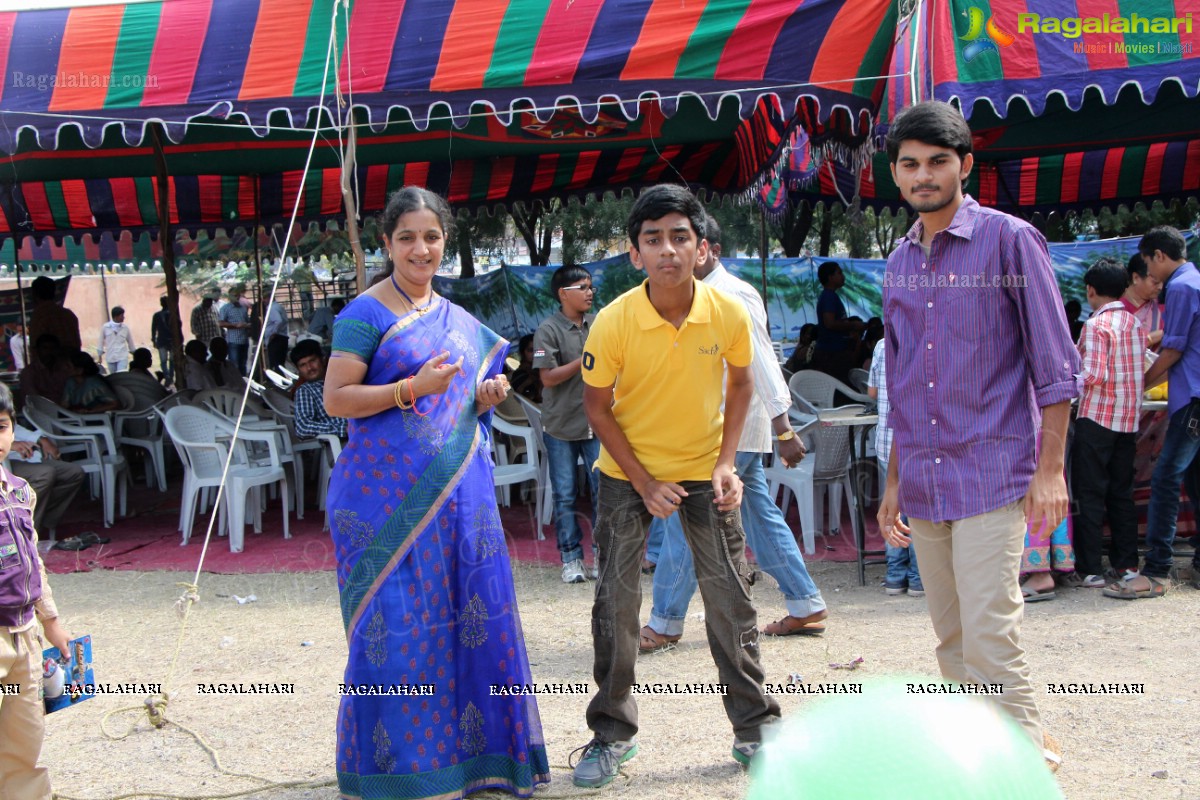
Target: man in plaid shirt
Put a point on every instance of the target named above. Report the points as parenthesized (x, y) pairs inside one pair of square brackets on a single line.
[(206, 326), (1112, 346), (310, 417)]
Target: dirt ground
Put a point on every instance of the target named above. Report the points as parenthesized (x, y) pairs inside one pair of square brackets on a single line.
[(1113, 745)]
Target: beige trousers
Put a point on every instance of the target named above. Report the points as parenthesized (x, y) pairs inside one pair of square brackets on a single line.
[(22, 718), (969, 568)]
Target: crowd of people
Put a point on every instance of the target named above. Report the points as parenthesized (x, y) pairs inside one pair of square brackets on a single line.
[(672, 398)]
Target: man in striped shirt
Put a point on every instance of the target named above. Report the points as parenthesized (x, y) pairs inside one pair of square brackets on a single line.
[(1112, 346), (978, 352)]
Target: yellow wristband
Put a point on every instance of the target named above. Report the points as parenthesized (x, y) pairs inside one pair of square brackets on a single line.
[(786, 436)]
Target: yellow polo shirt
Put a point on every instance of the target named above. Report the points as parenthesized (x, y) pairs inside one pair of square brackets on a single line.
[(667, 383)]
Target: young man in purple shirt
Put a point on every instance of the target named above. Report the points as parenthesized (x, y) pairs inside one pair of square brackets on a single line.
[(978, 353)]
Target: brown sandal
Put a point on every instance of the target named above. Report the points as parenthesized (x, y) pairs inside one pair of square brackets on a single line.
[(798, 626), (654, 642)]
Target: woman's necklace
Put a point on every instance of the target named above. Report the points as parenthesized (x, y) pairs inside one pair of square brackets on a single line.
[(419, 309)]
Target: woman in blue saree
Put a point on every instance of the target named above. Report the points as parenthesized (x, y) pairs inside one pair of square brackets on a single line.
[(423, 573)]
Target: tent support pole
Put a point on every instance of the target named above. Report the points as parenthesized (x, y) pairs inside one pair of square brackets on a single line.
[(360, 259), (763, 244), (17, 237), (257, 224), (168, 254)]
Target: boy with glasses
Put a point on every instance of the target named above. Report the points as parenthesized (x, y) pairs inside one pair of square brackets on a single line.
[(558, 353)]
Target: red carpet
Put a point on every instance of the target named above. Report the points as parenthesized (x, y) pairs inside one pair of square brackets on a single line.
[(147, 539)]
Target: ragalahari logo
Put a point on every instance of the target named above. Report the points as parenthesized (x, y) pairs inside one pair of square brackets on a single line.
[(977, 42)]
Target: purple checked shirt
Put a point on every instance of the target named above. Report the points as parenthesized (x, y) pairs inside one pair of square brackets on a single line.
[(977, 344)]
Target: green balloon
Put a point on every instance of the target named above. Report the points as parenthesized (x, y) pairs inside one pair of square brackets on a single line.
[(891, 743)]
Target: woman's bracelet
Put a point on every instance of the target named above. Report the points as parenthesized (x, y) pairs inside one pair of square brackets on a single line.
[(398, 396)]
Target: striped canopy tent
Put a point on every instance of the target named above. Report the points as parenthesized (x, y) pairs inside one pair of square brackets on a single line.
[(487, 101), (1094, 103)]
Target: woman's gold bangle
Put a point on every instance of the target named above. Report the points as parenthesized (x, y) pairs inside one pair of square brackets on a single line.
[(400, 398)]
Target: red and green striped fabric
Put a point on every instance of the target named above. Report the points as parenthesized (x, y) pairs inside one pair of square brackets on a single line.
[(186, 59)]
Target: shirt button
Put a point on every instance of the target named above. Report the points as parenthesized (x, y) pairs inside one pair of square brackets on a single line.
[(931, 384), (933, 422), (924, 265), (929, 345), (937, 461), (929, 305)]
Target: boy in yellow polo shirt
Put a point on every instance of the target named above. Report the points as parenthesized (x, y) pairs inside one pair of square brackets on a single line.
[(653, 368)]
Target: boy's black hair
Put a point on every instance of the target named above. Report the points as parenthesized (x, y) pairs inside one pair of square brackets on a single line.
[(807, 327), (826, 270), (117, 311), (658, 201), (305, 348), (1137, 266), (6, 404), (568, 275), (1164, 238), (932, 122), (142, 358), (1107, 277), (1073, 304)]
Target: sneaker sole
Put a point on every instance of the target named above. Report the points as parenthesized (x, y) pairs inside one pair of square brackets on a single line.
[(741, 757), (576, 579), (602, 782)]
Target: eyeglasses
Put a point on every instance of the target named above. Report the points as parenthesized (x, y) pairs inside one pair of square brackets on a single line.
[(579, 288)]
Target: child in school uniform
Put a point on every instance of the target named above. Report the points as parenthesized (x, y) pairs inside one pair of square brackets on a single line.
[(25, 599)]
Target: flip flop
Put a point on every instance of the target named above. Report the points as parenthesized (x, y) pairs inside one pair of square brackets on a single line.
[(797, 626), (1034, 596), (1122, 590), (90, 538), (654, 642), (71, 543)]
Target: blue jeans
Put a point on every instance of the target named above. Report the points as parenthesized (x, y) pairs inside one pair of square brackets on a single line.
[(1176, 467), (767, 534), (563, 456), (901, 561), (238, 354), (654, 540)]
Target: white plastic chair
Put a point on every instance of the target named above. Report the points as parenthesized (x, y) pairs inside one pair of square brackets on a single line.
[(509, 474), (283, 409), (545, 496), (102, 459), (826, 465), (203, 440), (226, 404), (815, 389), (144, 430)]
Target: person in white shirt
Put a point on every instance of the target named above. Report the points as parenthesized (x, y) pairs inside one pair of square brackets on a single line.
[(116, 342), (56, 482), (16, 346)]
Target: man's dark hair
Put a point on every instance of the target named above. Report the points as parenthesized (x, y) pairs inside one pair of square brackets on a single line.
[(142, 359), (1136, 266), (6, 404), (43, 288), (1164, 238), (658, 201), (712, 230), (83, 361), (196, 350), (337, 304), (305, 348), (117, 311), (567, 276), (1108, 277), (1073, 308), (218, 345), (826, 270), (932, 122)]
